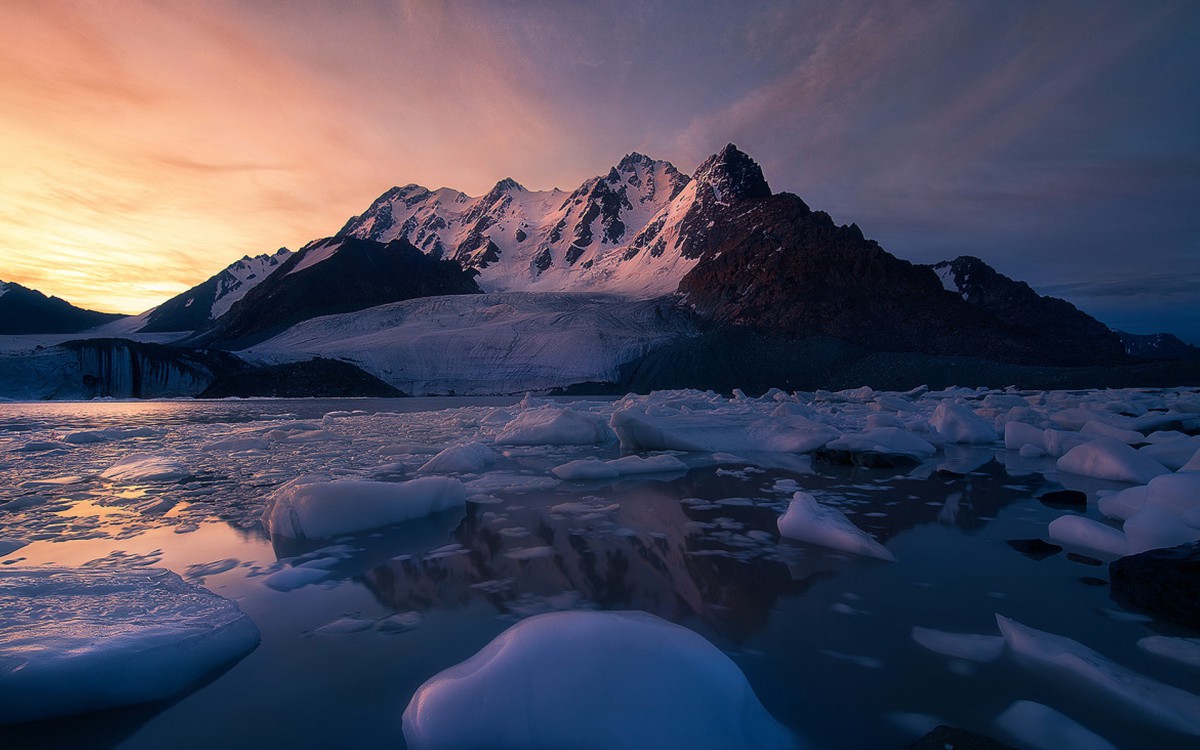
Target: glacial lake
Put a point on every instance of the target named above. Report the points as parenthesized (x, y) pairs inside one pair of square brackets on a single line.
[(825, 638)]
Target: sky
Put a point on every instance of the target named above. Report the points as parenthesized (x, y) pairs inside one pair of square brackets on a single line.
[(146, 145)]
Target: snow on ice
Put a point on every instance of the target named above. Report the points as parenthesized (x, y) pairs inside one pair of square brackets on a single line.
[(593, 680)]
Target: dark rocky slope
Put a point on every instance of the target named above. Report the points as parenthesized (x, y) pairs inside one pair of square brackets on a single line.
[(354, 275), (771, 264)]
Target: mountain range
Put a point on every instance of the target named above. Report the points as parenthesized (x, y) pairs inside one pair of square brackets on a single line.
[(634, 274)]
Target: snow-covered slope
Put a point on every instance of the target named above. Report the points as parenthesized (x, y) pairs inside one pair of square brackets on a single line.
[(212, 298), (483, 344)]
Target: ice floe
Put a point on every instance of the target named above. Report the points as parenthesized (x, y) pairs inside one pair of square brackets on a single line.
[(958, 424), (593, 680), (1038, 727), (1109, 458), (467, 458), (550, 425), (806, 520), (75, 640), (145, 467), (306, 508), (1062, 657), (969, 646)]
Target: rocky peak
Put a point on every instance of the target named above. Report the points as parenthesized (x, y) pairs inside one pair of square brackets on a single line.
[(733, 176), (507, 185)]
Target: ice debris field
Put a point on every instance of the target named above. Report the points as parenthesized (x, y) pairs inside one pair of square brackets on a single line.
[(680, 569)]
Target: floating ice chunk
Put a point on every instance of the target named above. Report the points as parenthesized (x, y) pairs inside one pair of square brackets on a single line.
[(344, 625), (1163, 520), (506, 481), (1155, 527), (1080, 531), (113, 433), (307, 509), (586, 468), (1017, 435), (1121, 505), (1103, 429), (292, 578), (553, 426), (467, 458), (1173, 708), (1193, 463), (1059, 442), (1109, 458), (592, 468), (969, 646), (889, 440), (806, 520), (958, 424), (146, 467), (1177, 493), (629, 465), (1184, 650), (1038, 727), (83, 640), (1173, 454), (593, 680)]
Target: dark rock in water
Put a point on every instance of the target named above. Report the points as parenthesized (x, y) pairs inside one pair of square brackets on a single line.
[(1093, 581), (1084, 559), (326, 378), (953, 738), (1165, 582), (1034, 548), (1064, 499), (863, 459)]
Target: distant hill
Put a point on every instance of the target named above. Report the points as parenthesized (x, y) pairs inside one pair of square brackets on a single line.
[(24, 310)]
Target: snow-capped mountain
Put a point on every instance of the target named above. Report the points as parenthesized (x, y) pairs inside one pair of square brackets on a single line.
[(212, 298), (522, 240), (24, 310)]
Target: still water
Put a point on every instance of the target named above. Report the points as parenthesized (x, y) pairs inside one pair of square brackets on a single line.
[(824, 638)]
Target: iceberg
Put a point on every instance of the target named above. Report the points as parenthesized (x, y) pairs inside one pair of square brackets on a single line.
[(806, 520), (593, 681), (549, 425), (1109, 458), (310, 509)]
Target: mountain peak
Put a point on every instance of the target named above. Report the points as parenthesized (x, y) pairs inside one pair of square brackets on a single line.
[(733, 175), (632, 160), (508, 185)]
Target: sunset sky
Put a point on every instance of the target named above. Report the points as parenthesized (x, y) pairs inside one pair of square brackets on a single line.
[(146, 145)]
